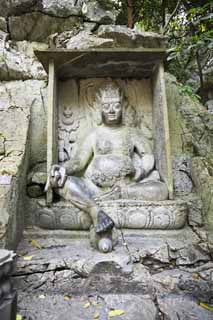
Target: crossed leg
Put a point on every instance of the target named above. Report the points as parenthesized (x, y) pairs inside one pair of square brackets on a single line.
[(77, 192)]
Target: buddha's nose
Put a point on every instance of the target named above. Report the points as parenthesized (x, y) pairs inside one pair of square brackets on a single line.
[(111, 109)]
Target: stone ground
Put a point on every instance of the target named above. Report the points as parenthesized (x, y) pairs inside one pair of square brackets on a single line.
[(149, 275)]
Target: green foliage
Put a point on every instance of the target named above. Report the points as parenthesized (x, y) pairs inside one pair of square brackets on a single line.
[(188, 25), (188, 90), (190, 36)]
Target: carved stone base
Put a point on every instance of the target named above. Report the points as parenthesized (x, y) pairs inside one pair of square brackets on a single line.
[(130, 214)]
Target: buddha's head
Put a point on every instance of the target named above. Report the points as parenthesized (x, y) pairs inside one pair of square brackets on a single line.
[(111, 98)]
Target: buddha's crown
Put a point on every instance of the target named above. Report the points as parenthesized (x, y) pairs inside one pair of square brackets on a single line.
[(109, 90)]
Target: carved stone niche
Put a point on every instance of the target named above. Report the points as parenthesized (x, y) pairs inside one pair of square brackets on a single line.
[(74, 78)]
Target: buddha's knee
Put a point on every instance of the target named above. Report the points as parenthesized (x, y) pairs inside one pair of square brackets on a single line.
[(149, 190), (154, 191)]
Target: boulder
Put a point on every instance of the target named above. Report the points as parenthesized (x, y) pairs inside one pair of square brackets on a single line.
[(37, 26), (17, 61), (125, 37), (62, 8), (99, 11), (84, 40)]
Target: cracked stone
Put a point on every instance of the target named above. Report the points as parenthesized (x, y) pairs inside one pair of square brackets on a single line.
[(19, 99), (16, 63), (85, 39), (17, 6), (176, 307), (190, 255), (37, 26), (135, 307), (96, 11), (125, 37), (181, 174), (62, 8), (2, 147), (195, 214)]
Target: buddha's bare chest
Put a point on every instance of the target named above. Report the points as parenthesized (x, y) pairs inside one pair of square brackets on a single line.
[(116, 143)]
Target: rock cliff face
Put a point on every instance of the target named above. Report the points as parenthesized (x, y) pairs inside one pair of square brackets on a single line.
[(26, 25), (191, 129)]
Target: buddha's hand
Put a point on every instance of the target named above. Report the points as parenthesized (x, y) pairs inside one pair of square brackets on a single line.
[(139, 174), (57, 177)]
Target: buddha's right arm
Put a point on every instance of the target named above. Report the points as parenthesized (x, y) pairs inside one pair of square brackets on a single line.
[(79, 162)]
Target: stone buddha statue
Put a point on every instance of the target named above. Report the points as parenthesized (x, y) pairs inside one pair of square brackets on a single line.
[(117, 163)]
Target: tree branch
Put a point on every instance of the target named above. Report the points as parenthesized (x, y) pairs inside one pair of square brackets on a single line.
[(199, 69), (171, 16)]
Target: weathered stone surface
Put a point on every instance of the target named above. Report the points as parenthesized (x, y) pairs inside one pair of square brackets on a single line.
[(35, 191), (209, 105), (17, 6), (203, 180), (3, 24), (17, 101), (175, 307), (191, 255), (52, 307), (64, 8), (17, 61), (135, 307), (38, 174), (125, 214), (182, 175), (190, 124), (37, 26), (3, 37), (99, 11), (125, 37), (69, 268), (83, 40), (195, 211), (2, 146)]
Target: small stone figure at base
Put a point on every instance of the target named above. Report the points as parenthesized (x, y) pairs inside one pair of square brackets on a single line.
[(117, 162)]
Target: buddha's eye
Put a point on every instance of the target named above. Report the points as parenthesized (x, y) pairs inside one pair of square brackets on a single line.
[(117, 106), (106, 106)]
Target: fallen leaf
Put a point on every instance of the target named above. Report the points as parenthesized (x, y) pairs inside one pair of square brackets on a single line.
[(206, 306), (116, 312), (27, 258), (95, 304), (35, 244), (67, 298), (18, 317), (96, 315), (42, 296), (87, 305)]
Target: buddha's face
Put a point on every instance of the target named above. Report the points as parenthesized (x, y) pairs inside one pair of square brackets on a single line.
[(111, 110)]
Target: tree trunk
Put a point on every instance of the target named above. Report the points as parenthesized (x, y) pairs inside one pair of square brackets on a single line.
[(130, 13)]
